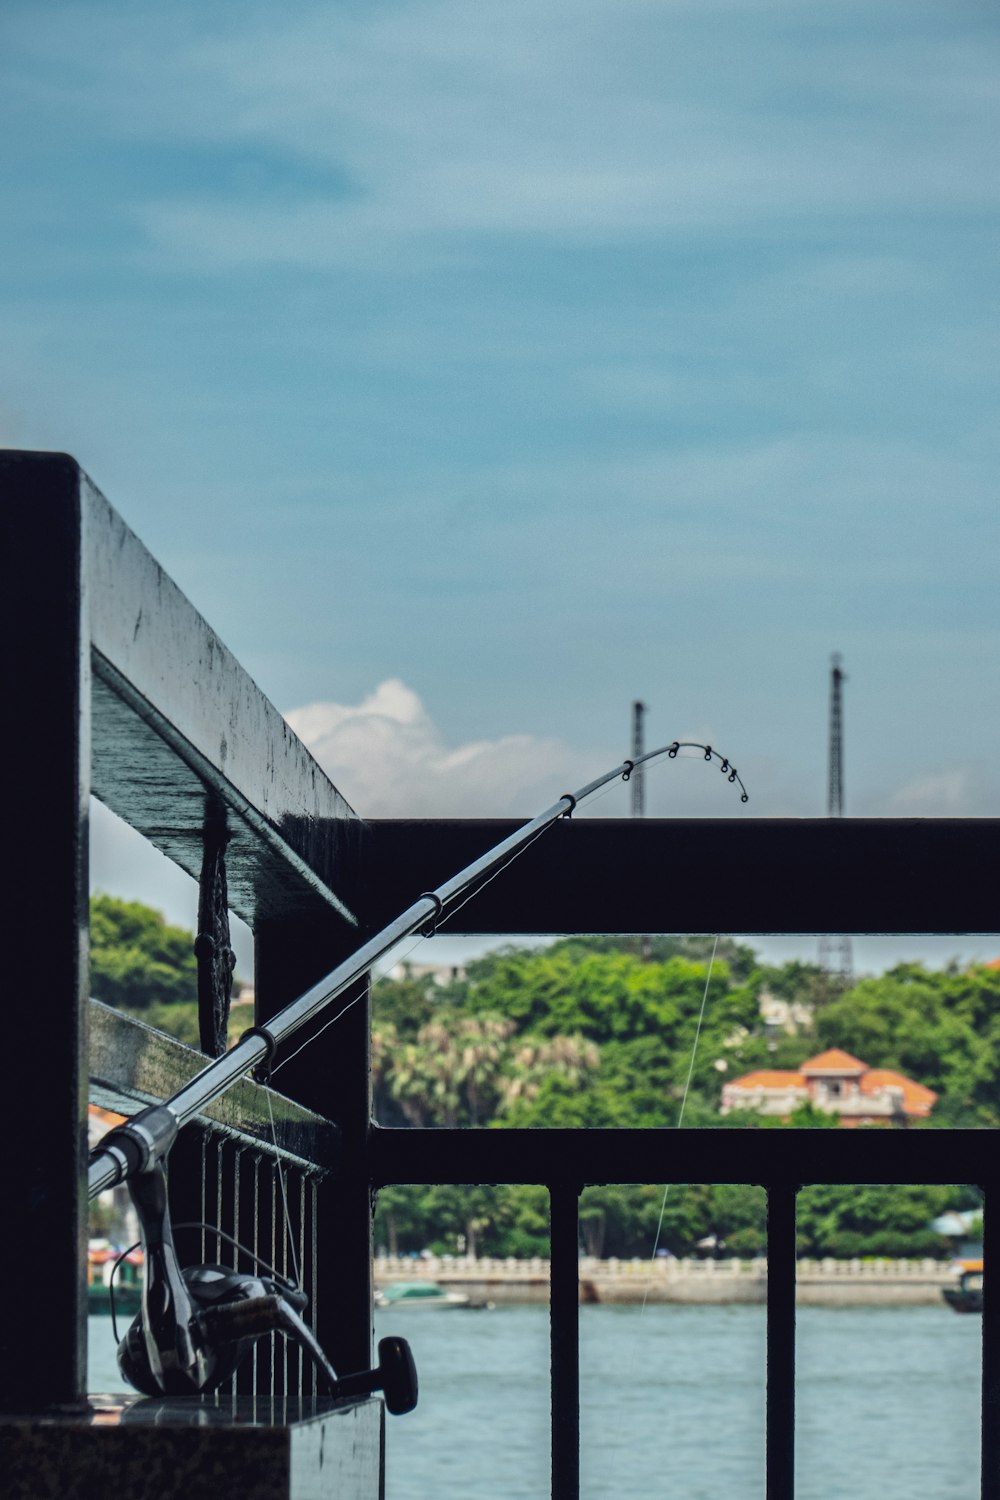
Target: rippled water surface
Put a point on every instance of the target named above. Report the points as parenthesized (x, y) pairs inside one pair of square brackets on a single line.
[(673, 1403)]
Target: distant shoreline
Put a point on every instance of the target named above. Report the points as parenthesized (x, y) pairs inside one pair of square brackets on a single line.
[(819, 1283)]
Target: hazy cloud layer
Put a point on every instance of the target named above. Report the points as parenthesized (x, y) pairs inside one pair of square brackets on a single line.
[(596, 123), (390, 760), (370, 129), (961, 791)]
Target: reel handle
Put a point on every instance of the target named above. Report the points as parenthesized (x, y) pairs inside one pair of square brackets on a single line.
[(395, 1376)]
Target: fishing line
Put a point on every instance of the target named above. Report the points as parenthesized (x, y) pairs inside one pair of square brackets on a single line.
[(325, 1027), (628, 766), (422, 938), (680, 1115), (289, 1235), (145, 1139), (161, 1351)]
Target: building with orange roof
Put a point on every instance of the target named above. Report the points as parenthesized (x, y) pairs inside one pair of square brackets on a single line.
[(836, 1083)]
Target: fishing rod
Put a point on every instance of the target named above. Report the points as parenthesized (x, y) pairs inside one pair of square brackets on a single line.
[(196, 1325), (146, 1138)]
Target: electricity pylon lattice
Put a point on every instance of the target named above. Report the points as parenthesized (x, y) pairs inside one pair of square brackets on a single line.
[(637, 783), (636, 779), (835, 955)]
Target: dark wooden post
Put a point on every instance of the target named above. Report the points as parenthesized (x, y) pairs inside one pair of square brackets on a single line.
[(780, 1341), (331, 1075), (45, 678), (564, 1307), (991, 1346)]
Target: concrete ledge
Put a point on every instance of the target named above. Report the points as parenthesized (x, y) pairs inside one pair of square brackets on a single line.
[(189, 1448)]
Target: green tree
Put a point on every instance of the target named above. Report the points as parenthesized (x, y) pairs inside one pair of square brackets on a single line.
[(471, 1220), (890, 1220), (145, 967), (406, 1004), (137, 959), (534, 1060)]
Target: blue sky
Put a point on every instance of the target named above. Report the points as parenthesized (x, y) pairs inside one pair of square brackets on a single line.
[(477, 369)]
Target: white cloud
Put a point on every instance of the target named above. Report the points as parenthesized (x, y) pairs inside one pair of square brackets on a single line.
[(957, 792), (390, 759)]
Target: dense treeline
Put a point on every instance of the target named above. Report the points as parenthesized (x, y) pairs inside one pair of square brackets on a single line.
[(595, 1032), (602, 1032), (697, 1219)]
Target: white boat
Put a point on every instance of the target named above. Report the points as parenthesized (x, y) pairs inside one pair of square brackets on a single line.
[(418, 1294)]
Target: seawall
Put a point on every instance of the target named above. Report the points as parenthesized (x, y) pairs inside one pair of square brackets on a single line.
[(819, 1283)]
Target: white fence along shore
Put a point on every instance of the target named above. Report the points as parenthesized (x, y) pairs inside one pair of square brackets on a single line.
[(821, 1283)]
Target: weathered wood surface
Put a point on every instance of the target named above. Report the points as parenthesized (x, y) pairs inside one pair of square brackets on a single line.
[(132, 1064), (176, 716)]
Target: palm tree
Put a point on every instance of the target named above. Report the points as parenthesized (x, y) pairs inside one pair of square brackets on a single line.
[(535, 1058)]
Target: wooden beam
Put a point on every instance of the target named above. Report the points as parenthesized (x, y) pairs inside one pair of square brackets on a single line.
[(175, 721), (731, 875), (571, 1157)]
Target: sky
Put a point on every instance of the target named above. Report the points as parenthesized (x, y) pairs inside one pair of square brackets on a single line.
[(476, 370)]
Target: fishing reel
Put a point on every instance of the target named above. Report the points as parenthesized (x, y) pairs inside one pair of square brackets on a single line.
[(196, 1325)]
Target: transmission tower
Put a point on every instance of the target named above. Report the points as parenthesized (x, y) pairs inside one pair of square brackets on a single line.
[(637, 783), (638, 748), (835, 951), (835, 789)]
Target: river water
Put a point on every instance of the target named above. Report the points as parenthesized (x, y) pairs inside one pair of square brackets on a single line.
[(673, 1403)]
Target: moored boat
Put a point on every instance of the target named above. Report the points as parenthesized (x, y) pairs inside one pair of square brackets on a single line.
[(967, 1295), (418, 1294), (101, 1257)]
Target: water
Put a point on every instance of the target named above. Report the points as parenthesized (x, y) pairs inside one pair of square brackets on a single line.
[(673, 1403), (889, 1404)]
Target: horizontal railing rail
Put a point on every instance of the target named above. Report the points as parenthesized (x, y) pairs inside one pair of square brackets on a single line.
[(577, 1157), (706, 875)]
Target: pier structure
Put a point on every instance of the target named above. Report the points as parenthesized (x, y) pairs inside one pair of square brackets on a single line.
[(115, 685), (689, 1282)]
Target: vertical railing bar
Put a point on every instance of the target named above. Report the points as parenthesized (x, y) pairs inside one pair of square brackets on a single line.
[(274, 1261), (220, 1198), (314, 1270), (203, 1215), (302, 1269), (991, 1356), (256, 1251), (237, 1162), (285, 1231), (780, 1340), (217, 1142), (564, 1313)]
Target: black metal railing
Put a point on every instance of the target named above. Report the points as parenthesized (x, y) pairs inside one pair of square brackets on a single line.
[(267, 1204), (250, 1171), (779, 1161), (117, 686)]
